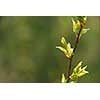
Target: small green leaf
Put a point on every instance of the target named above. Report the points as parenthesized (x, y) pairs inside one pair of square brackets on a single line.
[(82, 71), (69, 50), (63, 41), (84, 31), (63, 79), (66, 49), (76, 25), (62, 49), (78, 71)]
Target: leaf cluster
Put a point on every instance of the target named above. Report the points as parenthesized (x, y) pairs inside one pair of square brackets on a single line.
[(79, 29)]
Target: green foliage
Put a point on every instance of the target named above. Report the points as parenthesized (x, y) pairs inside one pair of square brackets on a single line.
[(76, 25), (66, 49), (78, 28), (63, 79), (84, 31), (78, 72), (79, 22)]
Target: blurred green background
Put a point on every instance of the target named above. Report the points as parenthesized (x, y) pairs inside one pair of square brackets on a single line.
[(28, 49)]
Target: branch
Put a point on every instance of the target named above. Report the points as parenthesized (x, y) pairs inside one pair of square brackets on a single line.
[(76, 44)]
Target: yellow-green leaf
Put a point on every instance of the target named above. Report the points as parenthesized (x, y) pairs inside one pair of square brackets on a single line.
[(62, 49), (78, 71), (82, 71), (76, 26), (69, 50), (63, 79), (66, 49), (84, 31), (63, 41)]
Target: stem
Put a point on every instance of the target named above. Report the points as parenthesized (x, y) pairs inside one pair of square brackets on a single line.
[(69, 69), (76, 44), (77, 38)]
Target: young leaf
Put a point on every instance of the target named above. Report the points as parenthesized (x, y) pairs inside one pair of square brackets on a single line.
[(69, 50), (66, 49), (78, 71), (82, 71), (63, 79), (62, 49), (76, 26), (84, 31), (63, 41)]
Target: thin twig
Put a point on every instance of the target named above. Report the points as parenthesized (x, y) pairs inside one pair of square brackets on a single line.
[(69, 69)]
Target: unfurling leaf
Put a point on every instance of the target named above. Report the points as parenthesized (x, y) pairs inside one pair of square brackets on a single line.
[(66, 49), (82, 71), (69, 50), (84, 31), (63, 79), (63, 41), (78, 71), (76, 26), (62, 49)]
